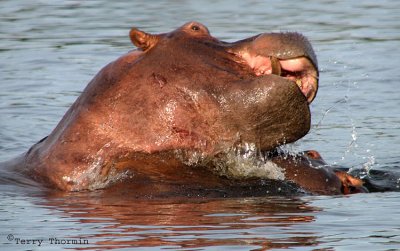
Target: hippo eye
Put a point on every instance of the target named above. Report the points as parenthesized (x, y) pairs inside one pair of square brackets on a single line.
[(195, 28)]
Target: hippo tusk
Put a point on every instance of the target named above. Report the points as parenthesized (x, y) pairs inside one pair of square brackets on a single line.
[(275, 66)]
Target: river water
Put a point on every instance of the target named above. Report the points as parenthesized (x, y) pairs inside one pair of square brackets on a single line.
[(50, 50)]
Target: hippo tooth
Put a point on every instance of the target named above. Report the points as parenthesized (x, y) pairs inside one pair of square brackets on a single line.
[(275, 66), (299, 83)]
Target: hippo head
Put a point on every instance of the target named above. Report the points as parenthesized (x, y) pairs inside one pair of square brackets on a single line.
[(180, 97), (206, 92)]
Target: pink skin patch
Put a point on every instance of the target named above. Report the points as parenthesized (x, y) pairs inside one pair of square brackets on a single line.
[(303, 73), (261, 65), (299, 70)]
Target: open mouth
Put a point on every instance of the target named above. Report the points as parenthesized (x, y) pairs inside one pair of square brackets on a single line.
[(299, 70)]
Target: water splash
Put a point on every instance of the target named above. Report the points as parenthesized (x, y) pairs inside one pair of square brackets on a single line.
[(238, 167), (241, 161), (351, 150), (353, 141), (342, 100)]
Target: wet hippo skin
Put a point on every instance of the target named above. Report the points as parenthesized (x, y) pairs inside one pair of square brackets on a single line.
[(166, 112)]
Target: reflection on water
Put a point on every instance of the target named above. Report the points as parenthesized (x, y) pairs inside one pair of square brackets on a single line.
[(187, 223), (117, 220), (51, 49)]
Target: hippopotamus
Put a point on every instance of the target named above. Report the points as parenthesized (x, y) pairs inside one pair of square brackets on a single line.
[(177, 108)]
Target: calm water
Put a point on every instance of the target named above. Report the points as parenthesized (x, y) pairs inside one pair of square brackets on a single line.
[(49, 51)]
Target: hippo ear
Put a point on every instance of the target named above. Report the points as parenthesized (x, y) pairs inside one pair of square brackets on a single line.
[(142, 39)]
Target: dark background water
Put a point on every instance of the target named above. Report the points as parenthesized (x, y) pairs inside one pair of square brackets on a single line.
[(50, 50)]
